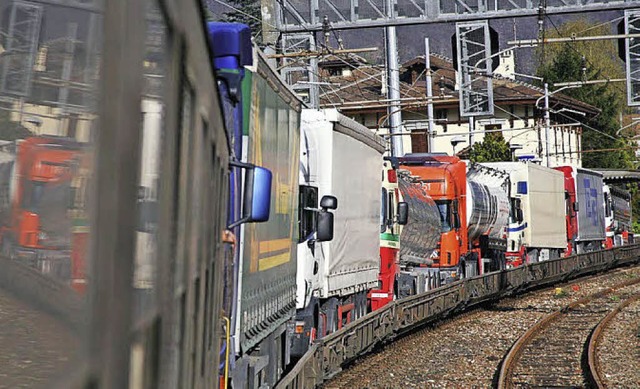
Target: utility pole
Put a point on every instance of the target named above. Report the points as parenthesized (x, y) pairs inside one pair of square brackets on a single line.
[(547, 122), (67, 65), (431, 128), (393, 74)]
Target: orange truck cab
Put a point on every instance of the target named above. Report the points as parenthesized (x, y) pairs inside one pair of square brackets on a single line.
[(39, 230), (444, 179)]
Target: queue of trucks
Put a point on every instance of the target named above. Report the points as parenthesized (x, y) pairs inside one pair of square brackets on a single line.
[(391, 228), (500, 215)]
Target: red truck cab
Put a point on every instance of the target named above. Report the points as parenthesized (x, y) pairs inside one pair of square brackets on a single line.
[(40, 227), (389, 238), (571, 201)]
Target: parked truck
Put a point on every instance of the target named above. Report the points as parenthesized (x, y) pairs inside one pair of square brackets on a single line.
[(473, 215), (617, 208), (536, 196), (392, 220), (334, 277), (584, 200)]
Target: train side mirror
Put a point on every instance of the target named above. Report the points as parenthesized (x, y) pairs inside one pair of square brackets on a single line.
[(328, 202), (520, 215), (403, 213), (256, 203)]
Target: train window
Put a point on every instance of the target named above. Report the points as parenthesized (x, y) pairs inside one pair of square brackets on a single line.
[(152, 106), (145, 277), (50, 66), (185, 143), (307, 212)]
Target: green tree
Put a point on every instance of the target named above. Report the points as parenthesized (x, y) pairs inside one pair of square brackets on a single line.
[(564, 62), (247, 12), (492, 149), (559, 63)]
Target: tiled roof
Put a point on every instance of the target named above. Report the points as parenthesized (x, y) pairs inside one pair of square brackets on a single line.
[(368, 92)]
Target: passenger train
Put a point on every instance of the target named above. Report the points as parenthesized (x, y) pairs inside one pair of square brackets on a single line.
[(230, 226)]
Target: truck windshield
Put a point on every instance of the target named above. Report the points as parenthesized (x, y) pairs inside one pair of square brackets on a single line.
[(33, 195), (444, 207), (383, 211)]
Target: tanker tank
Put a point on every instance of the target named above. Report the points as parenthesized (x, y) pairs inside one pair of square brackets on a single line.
[(487, 202), (419, 237)]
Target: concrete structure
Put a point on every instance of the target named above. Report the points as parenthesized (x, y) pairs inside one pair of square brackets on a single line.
[(49, 120), (358, 90)]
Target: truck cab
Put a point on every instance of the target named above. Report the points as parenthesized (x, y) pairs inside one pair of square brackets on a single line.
[(444, 179), (39, 229)]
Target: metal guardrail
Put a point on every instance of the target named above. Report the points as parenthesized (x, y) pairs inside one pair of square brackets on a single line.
[(42, 292), (327, 356)]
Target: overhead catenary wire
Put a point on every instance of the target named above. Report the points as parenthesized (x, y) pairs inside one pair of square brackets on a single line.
[(244, 13)]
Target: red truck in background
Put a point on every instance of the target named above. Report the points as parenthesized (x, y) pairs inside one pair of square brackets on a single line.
[(43, 223), (584, 209)]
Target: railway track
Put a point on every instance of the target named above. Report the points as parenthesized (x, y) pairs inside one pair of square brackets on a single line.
[(457, 353), (552, 353), (597, 375), (466, 350)]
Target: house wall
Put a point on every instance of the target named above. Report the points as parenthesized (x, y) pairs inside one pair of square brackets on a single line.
[(516, 123), (48, 120)]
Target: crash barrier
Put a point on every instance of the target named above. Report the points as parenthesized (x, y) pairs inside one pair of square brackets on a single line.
[(42, 292), (328, 355)]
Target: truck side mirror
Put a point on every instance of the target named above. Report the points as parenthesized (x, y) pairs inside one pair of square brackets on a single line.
[(403, 213), (520, 215), (324, 233), (325, 226), (575, 206), (256, 203), (328, 202), (456, 221)]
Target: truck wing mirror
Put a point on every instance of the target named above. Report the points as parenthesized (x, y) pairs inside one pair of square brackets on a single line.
[(325, 226), (575, 206), (328, 202), (403, 213), (256, 203), (520, 215), (456, 221)]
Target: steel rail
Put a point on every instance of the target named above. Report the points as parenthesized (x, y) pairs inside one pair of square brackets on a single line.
[(330, 354), (513, 356), (594, 372)]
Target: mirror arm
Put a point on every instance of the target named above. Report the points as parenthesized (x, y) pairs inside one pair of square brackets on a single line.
[(244, 165), (237, 223)]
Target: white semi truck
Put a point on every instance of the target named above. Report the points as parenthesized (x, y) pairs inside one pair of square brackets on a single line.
[(342, 158)]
